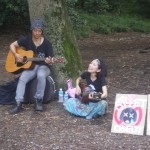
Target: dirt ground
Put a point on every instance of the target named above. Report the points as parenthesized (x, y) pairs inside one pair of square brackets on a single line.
[(127, 56)]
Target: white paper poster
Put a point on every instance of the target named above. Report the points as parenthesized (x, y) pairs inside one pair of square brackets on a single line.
[(129, 114)]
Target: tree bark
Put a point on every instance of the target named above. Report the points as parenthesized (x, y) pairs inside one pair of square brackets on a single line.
[(59, 31)]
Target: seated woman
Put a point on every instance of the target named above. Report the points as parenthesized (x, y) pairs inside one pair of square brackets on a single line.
[(95, 78)]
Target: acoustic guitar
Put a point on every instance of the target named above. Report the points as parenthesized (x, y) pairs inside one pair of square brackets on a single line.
[(13, 66), (86, 90)]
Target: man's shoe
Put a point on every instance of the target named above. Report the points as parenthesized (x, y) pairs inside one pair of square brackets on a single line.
[(38, 105), (17, 109)]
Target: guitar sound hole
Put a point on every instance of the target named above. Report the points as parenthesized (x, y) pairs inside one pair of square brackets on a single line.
[(24, 59), (19, 64)]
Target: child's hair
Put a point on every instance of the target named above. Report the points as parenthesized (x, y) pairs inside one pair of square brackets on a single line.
[(103, 68)]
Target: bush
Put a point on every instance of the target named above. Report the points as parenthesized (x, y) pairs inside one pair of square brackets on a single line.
[(96, 6), (76, 20), (15, 12), (109, 24)]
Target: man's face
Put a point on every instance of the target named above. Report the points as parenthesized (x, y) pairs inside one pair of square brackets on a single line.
[(36, 32)]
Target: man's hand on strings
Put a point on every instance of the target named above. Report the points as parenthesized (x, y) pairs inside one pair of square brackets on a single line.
[(49, 60), (19, 58)]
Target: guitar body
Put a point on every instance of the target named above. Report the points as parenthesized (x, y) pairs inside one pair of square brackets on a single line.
[(86, 90), (12, 66)]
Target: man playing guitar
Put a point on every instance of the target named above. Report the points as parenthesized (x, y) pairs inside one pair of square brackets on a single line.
[(42, 48)]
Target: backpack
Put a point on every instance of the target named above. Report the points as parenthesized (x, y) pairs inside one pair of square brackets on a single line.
[(8, 92)]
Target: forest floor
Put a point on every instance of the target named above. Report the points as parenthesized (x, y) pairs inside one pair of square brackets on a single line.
[(127, 56)]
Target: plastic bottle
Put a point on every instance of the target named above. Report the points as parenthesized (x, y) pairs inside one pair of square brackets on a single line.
[(61, 95), (65, 96)]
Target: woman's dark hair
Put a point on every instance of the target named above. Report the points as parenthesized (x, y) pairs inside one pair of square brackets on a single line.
[(103, 68)]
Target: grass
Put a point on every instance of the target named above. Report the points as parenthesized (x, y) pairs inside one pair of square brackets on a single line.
[(109, 23)]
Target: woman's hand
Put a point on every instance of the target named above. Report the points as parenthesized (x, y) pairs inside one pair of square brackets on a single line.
[(105, 93), (78, 90)]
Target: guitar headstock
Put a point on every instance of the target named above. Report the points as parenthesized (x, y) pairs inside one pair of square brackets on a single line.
[(58, 59)]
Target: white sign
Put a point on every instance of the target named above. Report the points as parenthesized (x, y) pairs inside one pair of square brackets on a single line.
[(129, 114)]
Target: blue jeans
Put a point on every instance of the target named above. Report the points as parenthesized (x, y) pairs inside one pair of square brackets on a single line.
[(41, 72)]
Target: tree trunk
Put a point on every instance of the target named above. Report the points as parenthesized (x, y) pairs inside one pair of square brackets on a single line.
[(59, 31)]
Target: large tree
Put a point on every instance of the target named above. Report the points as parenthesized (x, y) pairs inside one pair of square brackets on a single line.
[(59, 31)]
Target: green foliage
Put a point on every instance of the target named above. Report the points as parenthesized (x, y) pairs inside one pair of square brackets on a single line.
[(109, 23), (83, 31), (120, 7), (105, 23), (76, 20), (143, 8), (96, 6), (114, 6), (15, 12)]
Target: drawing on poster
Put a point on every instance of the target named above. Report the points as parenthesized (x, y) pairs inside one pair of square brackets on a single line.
[(129, 114)]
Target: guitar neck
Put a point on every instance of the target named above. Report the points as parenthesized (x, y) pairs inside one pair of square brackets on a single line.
[(54, 59), (35, 59)]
